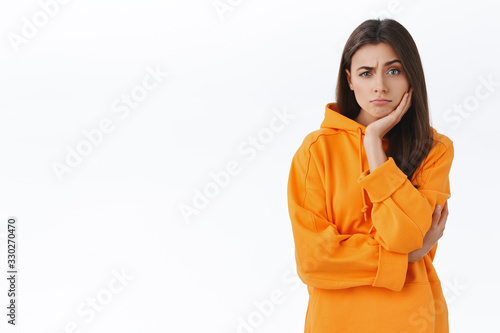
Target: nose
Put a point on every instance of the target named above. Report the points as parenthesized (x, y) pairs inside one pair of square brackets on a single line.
[(380, 84)]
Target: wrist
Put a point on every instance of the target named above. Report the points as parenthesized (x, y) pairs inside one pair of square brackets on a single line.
[(371, 135), (372, 141)]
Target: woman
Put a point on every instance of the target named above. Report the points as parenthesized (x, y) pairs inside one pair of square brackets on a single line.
[(365, 193)]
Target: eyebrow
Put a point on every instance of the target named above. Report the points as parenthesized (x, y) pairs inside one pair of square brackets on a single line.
[(386, 64)]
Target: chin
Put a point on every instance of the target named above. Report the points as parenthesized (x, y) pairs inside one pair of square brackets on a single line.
[(381, 111)]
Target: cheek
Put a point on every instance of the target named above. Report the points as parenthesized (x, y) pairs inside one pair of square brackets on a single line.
[(401, 85), (360, 89), (362, 95), (402, 88)]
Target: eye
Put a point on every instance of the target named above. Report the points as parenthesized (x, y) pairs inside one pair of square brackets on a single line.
[(363, 74), (394, 71)]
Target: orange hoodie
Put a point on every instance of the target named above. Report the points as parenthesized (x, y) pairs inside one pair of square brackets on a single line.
[(353, 231)]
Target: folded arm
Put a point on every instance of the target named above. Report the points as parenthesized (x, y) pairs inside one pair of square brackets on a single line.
[(401, 213)]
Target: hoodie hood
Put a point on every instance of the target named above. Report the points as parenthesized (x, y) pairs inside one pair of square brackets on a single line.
[(335, 120)]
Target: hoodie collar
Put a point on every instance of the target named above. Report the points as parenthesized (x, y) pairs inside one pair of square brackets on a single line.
[(334, 119)]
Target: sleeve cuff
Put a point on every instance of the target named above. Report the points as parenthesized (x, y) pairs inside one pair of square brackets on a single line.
[(383, 181), (392, 268)]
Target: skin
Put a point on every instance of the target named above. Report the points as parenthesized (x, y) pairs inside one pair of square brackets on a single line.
[(433, 235), (376, 73)]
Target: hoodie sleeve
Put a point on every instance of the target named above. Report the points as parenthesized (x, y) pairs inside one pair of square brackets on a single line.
[(401, 213), (324, 257)]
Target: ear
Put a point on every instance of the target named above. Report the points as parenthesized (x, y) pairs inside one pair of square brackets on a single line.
[(349, 78)]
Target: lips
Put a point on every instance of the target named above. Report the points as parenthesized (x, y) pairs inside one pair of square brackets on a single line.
[(380, 101)]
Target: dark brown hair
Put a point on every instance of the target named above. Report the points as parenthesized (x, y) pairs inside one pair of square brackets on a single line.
[(410, 140)]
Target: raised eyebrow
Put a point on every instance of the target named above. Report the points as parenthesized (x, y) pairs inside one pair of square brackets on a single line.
[(386, 64)]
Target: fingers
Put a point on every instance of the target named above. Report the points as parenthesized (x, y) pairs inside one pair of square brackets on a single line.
[(441, 215), (404, 105), (436, 230), (445, 208), (436, 216), (444, 215), (408, 100)]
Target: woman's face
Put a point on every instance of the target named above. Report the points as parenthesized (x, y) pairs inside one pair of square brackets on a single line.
[(378, 81)]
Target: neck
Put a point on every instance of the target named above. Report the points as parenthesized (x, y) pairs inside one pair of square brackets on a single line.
[(364, 118)]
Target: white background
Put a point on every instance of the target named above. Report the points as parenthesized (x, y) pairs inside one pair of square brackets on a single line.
[(227, 74)]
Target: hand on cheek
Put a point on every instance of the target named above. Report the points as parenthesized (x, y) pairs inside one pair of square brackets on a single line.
[(380, 127)]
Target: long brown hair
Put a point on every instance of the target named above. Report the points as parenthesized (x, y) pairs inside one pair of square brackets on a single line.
[(410, 140)]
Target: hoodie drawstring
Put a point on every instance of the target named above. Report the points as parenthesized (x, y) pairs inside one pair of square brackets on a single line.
[(365, 206)]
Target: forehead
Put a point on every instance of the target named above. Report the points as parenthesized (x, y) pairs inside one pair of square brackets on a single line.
[(373, 55)]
